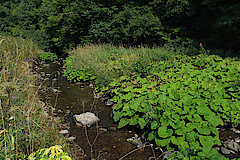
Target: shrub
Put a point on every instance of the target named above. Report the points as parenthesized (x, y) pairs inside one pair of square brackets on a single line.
[(47, 56)]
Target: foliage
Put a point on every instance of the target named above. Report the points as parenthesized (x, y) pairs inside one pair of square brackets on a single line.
[(52, 153), (47, 56), (181, 103), (24, 123), (105, 62)]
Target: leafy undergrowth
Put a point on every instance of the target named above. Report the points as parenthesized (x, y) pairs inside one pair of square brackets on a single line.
[(24, 123), (47, 56), (179, 103), (103, 63)]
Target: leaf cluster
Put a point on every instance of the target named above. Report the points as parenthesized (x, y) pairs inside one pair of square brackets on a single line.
[(47, 56), (51, 153), (181, 103)]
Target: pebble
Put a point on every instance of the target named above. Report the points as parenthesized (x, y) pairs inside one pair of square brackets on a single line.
[(70, 139), (63, 131), (103, 129), (113, 128), (237, 131), (91, 85), (232, 145), (237, 139), (167, 154), (226, 151), (109, 103), (43, 74)]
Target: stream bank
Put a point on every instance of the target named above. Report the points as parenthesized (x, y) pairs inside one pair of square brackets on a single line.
[(101, 141)]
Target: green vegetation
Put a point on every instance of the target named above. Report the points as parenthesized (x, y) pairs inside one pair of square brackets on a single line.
[(24, 124), (52, 153), (106, 62), (60, 25), (47, 56), (179, 101)]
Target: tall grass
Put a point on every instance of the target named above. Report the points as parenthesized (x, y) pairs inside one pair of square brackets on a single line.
[(108, 62), (24, 124)]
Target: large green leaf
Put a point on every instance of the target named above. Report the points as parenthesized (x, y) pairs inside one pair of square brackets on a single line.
[(164, 132)]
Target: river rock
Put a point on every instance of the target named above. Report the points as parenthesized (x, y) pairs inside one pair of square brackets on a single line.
[(237, 139), (226, 151), (232, 145), (167, 154), (113, 128), (63, 131), (70, 139), (136, 141), (102, 129), (87, 118), (109, 103)]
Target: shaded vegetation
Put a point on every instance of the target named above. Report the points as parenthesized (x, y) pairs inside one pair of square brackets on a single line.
[(24, 123), (60, 25)]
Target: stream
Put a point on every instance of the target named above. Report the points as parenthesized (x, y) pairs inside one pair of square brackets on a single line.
[(101, 141)]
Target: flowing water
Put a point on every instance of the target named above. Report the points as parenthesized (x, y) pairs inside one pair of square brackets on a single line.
[(102, 141), (69, 99)]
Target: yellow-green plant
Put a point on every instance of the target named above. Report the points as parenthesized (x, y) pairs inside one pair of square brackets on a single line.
[(53, 153)]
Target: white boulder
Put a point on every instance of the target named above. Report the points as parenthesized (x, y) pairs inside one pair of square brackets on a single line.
[(87, 118)]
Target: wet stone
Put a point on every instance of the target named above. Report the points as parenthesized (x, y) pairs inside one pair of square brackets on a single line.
[(232, 145), (87, 118), (226, 151), (167, 154), (103, 129), (112, 128), (63, 131), (70, 139), (109, 103)]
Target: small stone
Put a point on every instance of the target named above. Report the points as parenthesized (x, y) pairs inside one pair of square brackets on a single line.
[(48, 75), (113, 128), (68, 111), (237, 139), (91, 85), (226, 151), (43, 74), (103, 129), (54, 79), (70, 139), (232, 145), (63, 131), (129, 139), (217, 148), (167, 154), (46, 65), (237, 131), (109, 103)]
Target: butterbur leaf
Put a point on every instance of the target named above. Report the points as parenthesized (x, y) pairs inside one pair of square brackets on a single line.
[(154, 125), (142, 122), (177, 140), (162, 142), (164, 132), (204, 130), (123, 122), (151, 136), (116, 116)]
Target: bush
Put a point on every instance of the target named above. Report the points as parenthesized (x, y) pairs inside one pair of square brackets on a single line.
[(47, 56)]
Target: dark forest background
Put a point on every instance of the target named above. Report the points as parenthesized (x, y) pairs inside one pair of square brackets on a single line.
[(60, 25)]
